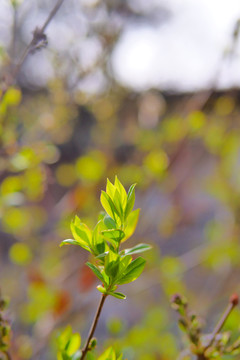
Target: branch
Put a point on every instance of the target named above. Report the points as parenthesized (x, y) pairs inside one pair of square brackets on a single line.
[(39, 40), (233, 301), (93, 327)]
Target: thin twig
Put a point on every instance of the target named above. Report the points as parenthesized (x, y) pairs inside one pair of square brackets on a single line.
[(51, 15), (233, 302), (37, 35), (38, 41), (93, 327)]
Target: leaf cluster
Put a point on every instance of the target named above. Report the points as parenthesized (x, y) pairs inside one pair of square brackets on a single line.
[(112, 265), (68, 344)]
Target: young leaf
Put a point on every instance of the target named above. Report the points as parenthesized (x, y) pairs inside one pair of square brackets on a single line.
[(68, 345), (90, 356), (64, 356), (117, 295), (118, 204), (112, 264), (123, 264), (100, 248), (77, 355), (69, 242), (108, 205), (130, 200), (122, 192), (101, 289), (131, 224), (64, 337), (96, 271), (112, 268), (81, 233), (98, 243), (110, 189), (133, 271), (108, 354), (106, 278), (137, 249), (114, 234), (101, 256), (73, 344), (109, 222)]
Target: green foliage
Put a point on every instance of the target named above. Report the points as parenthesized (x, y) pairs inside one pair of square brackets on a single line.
[(112, 265), (188, 159), (68, 345)]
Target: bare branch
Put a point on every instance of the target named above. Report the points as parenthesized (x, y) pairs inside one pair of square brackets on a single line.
[(38, 41)]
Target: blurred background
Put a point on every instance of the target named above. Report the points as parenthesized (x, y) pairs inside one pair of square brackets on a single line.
[(147, 91)]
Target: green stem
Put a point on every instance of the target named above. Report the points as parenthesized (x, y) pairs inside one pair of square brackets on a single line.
[(93, 327)]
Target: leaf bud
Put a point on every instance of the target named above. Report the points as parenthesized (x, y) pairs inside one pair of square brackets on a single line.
[(93, 343), (234, 299)]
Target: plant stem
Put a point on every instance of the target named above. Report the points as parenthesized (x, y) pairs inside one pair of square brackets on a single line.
[(201, 357), (93, 327), (221, 322)]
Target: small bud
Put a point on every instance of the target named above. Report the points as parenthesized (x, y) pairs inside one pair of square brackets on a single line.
[(176, 299), (93, 343), (234, 299), (179, 303), (183, 324), (3, 303)]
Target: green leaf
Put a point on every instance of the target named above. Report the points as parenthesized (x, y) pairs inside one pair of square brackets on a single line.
[(96, 271), (123, 264), (90, 356), (112, 268), (73, 344), (81, 233), (77, 355), (64, 356), (106, 278), (64, 337), (114, 234), (109, 222), (70, 242), (101, 289), (109, 206), (122, 192), (133, 271), (98, 243), (68, 344), (110, 189), (112, 261), (137, 249), (101, 256), (118, 204), (131, 224), (100, 248), (130, 200), (117, 295), (108, 354)]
